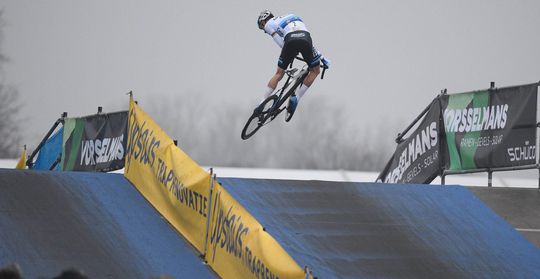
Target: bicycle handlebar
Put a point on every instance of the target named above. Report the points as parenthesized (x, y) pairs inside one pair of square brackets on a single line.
[(323, 71)]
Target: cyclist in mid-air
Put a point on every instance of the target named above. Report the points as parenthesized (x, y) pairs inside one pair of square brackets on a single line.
[(290, 33)]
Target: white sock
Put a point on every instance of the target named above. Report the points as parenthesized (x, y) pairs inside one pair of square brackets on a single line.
[(267, 93), (301, 91)]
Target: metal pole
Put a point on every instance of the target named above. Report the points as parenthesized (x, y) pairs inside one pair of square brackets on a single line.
[(404, 132), (29, 162), (490, 178), (526, 167), (56, 162), (212, 179), (441, 139), (537, 144)]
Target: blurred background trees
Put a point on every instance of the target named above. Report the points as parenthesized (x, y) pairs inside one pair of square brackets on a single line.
[(320, 136), (10, 138)]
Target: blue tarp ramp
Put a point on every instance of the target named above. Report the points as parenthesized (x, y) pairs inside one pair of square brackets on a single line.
[(368, 230), (94, 222)]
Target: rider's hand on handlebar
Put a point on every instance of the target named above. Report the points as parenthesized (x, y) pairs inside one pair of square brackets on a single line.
[(325, 62)]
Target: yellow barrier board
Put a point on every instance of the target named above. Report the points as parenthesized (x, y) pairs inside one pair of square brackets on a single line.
[(168, 178), (238, 247)]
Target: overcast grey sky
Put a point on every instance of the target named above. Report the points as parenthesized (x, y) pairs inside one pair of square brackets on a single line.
[(390, 58)]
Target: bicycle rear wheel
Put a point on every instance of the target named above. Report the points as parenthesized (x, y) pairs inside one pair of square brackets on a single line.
[(259, 119)]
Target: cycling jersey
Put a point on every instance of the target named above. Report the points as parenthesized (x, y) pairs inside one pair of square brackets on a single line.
[(291, 34), (283, 25)]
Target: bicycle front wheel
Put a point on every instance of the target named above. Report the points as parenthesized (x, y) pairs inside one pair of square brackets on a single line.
[(259, 119)]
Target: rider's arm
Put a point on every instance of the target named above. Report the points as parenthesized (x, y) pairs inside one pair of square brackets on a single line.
[(271, 29), (278, 39)]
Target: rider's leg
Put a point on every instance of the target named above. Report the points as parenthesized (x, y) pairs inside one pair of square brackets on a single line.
[(272, 84), (308, 81), (312, 57)]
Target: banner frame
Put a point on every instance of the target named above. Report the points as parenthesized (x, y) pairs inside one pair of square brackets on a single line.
[(30, 160), (441, 138), (490, 172), (445, 172), (405, 135)]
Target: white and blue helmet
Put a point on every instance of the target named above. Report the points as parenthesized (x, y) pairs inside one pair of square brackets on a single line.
[(264, 16)]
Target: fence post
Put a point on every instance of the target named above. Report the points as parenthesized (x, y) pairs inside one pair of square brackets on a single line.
[(441, 138), (443, 178), (212, 180)]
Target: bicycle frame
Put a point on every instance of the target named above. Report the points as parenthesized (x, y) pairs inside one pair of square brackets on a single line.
[(290, 75), (278, 99)]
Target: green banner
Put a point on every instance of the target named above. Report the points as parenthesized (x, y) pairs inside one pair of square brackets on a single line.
[(490, 128)]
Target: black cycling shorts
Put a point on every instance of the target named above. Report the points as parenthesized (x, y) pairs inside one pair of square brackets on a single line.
[(298, 42)]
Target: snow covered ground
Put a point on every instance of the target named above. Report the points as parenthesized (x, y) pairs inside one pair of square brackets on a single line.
[(528, 179)]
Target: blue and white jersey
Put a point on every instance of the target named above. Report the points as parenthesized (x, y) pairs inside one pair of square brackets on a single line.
[(279, 27), (283, 25)]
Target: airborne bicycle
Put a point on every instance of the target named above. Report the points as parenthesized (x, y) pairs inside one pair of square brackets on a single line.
[(272, 106)]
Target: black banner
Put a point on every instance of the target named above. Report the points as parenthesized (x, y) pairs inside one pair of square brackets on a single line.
[(491, 128), (95, 143), (417, 158)]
